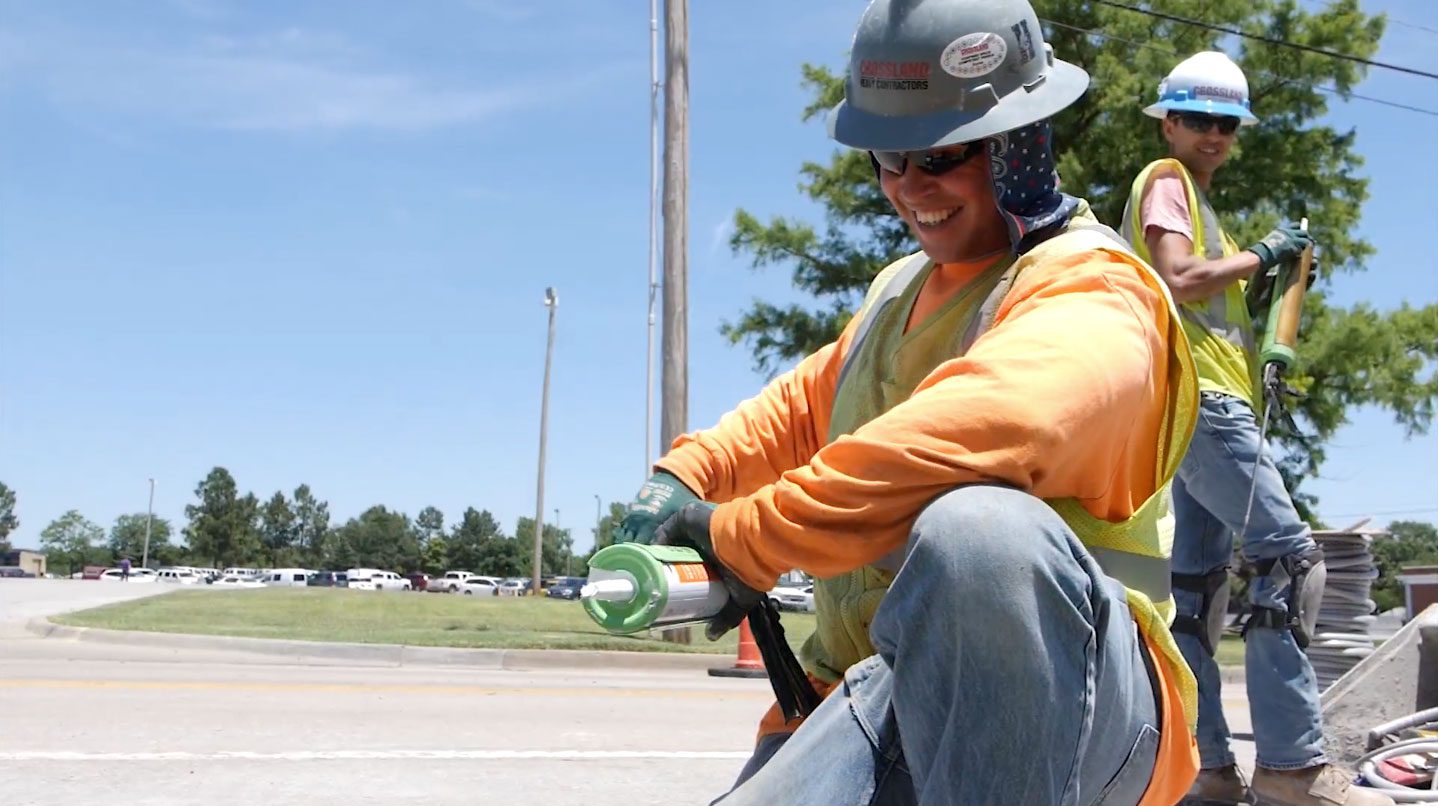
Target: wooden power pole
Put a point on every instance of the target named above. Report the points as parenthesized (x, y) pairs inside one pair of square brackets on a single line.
[(674, 408)]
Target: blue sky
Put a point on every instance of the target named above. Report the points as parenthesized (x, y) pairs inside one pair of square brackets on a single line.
[(311, 246)]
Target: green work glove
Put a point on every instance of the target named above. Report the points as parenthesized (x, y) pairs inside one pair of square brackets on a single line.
[(661, 496), (1280, 246), (690, 527)]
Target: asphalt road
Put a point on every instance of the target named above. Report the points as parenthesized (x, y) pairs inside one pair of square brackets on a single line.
[(89, 722), (82, 721)]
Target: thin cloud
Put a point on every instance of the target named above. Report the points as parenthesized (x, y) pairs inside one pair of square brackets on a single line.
[(722, 231), (286, 81)]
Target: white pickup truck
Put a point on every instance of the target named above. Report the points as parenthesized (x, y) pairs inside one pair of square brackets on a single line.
[(451, 582)]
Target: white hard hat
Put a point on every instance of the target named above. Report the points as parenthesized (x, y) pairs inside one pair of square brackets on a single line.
[(1207, 82)]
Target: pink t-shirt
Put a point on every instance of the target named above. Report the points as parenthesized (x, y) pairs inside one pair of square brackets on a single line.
[(1165, 207)]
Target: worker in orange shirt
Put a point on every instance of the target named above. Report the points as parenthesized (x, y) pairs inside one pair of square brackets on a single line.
[(973, 470)]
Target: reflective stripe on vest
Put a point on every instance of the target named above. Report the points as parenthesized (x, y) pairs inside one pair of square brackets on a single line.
[(1152, 576), (1208, 243)]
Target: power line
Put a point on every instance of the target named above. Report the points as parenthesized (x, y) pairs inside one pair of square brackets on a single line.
[(1333, 54), (1172, 52), (1391, 18), (1413, 25)]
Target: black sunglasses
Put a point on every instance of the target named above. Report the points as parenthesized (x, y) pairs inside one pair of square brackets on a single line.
[(934, 162), (1199, 123)]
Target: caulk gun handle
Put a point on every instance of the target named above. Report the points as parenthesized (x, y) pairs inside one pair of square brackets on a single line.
[(1281, 347)]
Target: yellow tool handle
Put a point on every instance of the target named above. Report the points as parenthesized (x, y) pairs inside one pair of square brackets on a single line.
[(1290, 310)]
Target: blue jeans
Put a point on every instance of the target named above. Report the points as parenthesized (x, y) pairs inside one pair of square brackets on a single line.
[(1209, 498), (1009, 671)]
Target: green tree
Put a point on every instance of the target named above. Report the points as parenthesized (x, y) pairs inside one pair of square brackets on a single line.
[(378, 538), (468, 542), (127, 539), (502, 556), (72, 541), (222, 527), (429, 527), (1284, 168), (278, 530), (557, 548), (1407, 543), (8, 521), (312, 522), (436, 555)]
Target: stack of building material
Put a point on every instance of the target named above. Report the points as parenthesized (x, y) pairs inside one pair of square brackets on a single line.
[(1342, 638)]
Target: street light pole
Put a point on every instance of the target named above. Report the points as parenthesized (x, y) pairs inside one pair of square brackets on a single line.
[(149, 518), (557, 536), (551, 301)]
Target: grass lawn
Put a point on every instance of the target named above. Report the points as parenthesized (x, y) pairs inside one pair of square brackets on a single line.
[(1230, 650), (415, 619)]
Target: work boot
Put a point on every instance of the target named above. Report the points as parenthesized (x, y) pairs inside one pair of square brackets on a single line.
[(1220, 786), (1324, 785)]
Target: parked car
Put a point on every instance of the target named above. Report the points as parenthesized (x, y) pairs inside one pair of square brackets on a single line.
[(287, 578), (481, 586), (373, 579), (14, 572), (800, 599), (513, 587), (328, 579), (418, 582), (565, 588), (450, 582), (116, 575), (178, 576), (235, 581), (240, 572)]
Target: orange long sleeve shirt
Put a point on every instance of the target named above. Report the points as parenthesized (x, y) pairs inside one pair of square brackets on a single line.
[(1062, 397)]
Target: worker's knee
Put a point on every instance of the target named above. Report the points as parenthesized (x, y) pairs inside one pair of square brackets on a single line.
[(978, 536)]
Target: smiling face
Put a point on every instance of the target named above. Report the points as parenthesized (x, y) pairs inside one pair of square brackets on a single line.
[(1201, 151), (953, 215)]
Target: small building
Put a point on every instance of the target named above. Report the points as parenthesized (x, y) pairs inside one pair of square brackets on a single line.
[(29, 561), (1420, 587)]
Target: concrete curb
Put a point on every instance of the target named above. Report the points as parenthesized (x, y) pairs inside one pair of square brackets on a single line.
[(516, 660), (392, 654)]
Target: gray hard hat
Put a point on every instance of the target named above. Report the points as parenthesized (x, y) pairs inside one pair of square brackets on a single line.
[(928, 73)]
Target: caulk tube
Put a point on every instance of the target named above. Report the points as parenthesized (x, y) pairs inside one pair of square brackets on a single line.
[(634, 587)]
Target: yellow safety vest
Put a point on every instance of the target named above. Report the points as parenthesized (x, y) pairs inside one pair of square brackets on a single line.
[(1135, 551), (1219, 327)]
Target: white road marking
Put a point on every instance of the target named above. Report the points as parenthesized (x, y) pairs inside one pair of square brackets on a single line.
[(383, 755)]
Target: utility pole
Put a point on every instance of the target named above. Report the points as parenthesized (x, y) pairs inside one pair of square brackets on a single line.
[(675, 411), (653, 288), (551, 301), (149, 519)]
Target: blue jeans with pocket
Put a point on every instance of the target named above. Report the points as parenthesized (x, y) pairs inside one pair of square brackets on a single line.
[(1009, 670), (1210, 495)]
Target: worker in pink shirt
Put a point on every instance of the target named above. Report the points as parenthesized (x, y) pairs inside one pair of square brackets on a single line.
[(1203, 103)]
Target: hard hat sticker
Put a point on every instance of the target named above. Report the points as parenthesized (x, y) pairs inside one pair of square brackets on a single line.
[(974, 55), (894, 75)]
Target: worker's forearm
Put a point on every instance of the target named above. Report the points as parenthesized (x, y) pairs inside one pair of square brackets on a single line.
[(1204, 278)]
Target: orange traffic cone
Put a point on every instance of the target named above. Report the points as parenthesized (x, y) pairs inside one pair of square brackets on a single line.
[(749, 664)]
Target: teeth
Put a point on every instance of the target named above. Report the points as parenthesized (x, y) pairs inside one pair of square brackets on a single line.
[(931, 217)]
